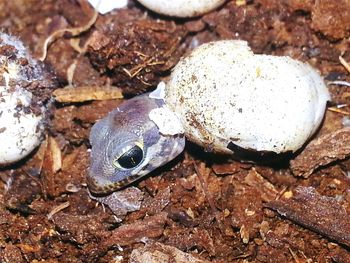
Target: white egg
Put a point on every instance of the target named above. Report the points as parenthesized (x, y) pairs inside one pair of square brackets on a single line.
[(21, 129), (182, 8), (222, 92)]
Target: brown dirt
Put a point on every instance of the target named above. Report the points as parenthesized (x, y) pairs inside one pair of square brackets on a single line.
[(199, 208)]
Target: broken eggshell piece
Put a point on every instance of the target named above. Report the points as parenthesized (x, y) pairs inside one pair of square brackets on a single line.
[(106, 6), (223, 93)]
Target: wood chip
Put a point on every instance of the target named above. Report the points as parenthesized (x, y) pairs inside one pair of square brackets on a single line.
[(51, 165), (267, 190), (322, 151), (57, 209), (230, 168), (127, 234), (87, 93)]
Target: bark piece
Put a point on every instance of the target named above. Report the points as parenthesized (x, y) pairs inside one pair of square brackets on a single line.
[(322, 151), (318, 213), (230, 168), (122, 202), (128, 234)]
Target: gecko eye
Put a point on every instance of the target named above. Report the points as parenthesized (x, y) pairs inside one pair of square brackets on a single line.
[(130, 158)]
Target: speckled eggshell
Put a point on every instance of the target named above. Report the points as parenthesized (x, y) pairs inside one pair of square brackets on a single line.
[(223, 93), (21, 129), (182, 8), (21, 117)]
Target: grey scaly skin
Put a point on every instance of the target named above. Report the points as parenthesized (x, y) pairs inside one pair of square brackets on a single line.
[(127, 145)]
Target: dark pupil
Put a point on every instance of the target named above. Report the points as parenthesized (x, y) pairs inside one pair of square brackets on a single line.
[(131, 158)]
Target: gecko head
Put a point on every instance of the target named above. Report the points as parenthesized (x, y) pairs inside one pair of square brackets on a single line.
[(127, 145)]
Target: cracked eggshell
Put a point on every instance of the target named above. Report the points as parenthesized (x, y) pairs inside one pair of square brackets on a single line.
[(182, 8), (223, 92)]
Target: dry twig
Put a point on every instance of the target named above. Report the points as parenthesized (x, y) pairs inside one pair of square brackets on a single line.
[(73, 31)]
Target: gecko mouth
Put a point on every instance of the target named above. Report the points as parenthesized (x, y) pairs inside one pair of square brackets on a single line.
[(101, 188)]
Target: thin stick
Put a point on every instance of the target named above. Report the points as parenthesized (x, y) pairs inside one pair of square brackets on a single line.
[(344, 63), (339, 111), (74, 31)]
